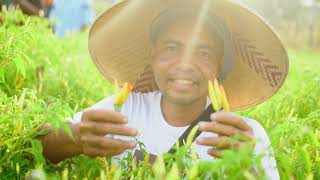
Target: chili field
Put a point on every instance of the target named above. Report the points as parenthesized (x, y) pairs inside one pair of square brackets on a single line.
[(44, 79)]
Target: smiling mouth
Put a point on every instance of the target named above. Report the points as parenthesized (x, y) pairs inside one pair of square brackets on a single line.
[(183, 81), (182, 84)]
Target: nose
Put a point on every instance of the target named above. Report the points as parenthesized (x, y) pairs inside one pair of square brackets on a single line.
[(185, 62)]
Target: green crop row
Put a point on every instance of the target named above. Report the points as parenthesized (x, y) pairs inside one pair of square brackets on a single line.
[(44, 79)]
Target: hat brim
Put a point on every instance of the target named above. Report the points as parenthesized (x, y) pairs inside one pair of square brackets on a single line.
[(119, 44)]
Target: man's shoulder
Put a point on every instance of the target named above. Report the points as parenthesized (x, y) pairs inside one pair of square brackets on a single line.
[(141, 101)]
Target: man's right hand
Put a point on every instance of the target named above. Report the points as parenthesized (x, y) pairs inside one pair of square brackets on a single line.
[(95, 125)]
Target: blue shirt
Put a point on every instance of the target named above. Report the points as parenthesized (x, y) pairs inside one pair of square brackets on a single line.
[(71, 15)]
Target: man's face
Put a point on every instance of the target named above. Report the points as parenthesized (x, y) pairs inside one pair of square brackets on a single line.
[(183, 64)]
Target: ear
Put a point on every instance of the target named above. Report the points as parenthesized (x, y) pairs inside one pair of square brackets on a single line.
[(221, 62), (220, 67), (152, 53)]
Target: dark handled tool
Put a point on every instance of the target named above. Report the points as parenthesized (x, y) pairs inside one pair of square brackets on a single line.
[(205, 116)]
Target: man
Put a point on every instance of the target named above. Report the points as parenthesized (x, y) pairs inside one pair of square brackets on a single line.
[(169, 50)]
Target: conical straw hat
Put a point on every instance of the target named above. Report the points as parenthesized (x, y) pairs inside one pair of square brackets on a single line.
[(119, 43)]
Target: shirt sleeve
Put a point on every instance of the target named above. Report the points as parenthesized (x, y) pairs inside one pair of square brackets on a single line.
[(263, 146), (106, 103)]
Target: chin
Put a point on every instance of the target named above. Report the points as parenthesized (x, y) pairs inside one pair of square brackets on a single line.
[(182, 99)]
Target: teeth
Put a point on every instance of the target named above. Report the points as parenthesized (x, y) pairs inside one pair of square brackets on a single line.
[(182, 81)]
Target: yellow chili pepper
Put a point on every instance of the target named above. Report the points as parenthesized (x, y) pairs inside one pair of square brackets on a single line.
[(218, 93), (218, 96), (212, 96), (122, 96), (224, 99)]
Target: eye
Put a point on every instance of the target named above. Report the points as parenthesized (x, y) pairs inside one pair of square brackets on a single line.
[(171, 48), (204, 53)]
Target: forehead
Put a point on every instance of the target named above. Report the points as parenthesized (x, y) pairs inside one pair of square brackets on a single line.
[(187, 30)]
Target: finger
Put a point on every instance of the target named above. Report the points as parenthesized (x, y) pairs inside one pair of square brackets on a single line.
[(232, 119), (122, 144), (94, 152), (107, 143), (99, 115), (215, 153), (107, 128), (222, 142), (218, 128), (114, 152), (239, 145), (97, 152)]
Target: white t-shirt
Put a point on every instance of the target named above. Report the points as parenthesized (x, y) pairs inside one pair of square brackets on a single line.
[(144, 114)]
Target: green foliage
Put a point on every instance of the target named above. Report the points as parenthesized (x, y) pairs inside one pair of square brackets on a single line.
[(32, 57), (21, 120), (44, 79)]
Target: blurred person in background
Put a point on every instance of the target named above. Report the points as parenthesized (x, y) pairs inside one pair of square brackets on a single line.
[(31, 7), (71, 16)]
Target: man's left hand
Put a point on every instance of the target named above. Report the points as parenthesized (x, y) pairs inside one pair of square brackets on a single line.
[(233, 133)]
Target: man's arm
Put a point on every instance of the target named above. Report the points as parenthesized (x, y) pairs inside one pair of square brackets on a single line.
[(227, 125), (90, 137), (59, 147)]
